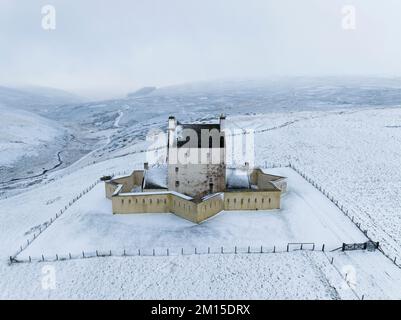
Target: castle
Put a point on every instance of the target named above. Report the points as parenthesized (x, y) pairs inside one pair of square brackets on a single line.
[(195, 182)]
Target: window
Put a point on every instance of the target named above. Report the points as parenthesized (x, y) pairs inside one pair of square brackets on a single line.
[(122, 201), (263, 200), (177, 184), (136, 200), (242, 201), (150, 201), (143, 200), (165, 201), (210, 142), (210, 187), (129, 201), (270, 200), (256, 200), (176, 169), (158, 201), (235, 200), (221, 142), (249, 200)]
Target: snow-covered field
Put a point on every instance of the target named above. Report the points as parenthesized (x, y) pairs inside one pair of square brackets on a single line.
[(306, 216), (354, 154)]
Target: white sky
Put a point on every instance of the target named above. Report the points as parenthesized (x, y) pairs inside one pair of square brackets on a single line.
[(102, 48)]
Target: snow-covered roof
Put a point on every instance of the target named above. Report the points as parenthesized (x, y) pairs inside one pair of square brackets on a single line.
[(183, 196), (237, 178), (155, 178)]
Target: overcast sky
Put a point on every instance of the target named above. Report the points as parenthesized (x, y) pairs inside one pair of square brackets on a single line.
[(103, 48)]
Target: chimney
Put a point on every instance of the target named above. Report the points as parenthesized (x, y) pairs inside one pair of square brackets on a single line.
[(222, 122), (146, 166), (172, 123)]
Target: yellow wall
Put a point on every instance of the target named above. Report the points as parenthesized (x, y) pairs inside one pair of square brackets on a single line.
[(252, 200)]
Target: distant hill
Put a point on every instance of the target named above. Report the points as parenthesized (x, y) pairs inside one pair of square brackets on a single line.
[(35, 98), (141, 92)]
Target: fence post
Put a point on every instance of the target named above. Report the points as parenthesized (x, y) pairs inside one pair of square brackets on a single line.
[(56, 257), (249, 249), (97, 254), (139, 252), (69, 255), (43, 258), (208, 249), (222, 250), (323, 247), (332, 260), (235, 249), (274, 249), (301, 246), (288, 247), (195, 250), (110, 253), (167, 252), (182, 251), (30, 259), (153, 251), (261, 249), (313, 248)]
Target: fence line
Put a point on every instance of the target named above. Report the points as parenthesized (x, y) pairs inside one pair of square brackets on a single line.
[(342, 208), (58, 214), (183, 251)]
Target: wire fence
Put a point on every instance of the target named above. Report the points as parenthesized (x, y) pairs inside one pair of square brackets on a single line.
[(57, 215), (343, 209), (182, 251)]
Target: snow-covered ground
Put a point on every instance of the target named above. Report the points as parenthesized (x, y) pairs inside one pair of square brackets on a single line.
[(24, 134), (354, 154), (306, 216)]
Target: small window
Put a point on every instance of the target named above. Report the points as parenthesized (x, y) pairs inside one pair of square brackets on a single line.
[(228, 200), (150, 201), (256, 200), (177, 184), (263, 200), (136, 200), (122, 201), (158, 201), (270, 200), (143, 200), (235, 200), (176, 169), (242, 201), (129, 201), (165, 201)]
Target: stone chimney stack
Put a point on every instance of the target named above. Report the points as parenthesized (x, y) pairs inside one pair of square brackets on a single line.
[(172, 123), (146, 166), (222, 122)]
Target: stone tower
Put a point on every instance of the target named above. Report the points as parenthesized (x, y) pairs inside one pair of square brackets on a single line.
[(196, 157)]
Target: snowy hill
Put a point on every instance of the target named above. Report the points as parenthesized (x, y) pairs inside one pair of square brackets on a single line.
[(35, 98)]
